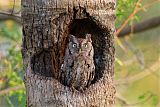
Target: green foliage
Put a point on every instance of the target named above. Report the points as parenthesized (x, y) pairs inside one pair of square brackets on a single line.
[(149, 96), (154, 100), (17, 98), (123, 10), (12, 72), (10, 30)]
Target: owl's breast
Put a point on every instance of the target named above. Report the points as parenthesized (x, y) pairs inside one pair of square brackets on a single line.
[(81, 57)]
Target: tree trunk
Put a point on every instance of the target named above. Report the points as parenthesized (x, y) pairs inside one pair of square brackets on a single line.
[(46, 26)]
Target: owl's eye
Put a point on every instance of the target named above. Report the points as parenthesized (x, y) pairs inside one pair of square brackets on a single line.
[(74, 45), (85, 45)]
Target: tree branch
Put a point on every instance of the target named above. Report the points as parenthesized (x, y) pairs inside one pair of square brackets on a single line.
[(5, 91), (135, 28), (135, 10), (141, 26), (6, 16), (129, 17)]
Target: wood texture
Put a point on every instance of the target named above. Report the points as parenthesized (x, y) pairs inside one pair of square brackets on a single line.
[(46, 25)]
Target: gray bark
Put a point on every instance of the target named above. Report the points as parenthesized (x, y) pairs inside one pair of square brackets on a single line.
[(46, 25)]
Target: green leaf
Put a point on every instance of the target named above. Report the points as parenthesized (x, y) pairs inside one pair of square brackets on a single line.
[(154, 100)]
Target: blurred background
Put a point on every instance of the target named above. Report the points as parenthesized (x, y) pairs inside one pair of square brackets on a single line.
[(137, 64)]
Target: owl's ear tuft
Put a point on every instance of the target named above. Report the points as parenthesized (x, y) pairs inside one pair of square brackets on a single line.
[(71, 37), (88, 37)]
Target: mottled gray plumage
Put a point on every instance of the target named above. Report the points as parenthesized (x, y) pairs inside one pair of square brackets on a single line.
[(78, 69)]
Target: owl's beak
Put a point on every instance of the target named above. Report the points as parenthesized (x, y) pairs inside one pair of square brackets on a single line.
[(80, 50)]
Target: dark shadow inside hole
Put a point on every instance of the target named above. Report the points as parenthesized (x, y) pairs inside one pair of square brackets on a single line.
[(41, 63)]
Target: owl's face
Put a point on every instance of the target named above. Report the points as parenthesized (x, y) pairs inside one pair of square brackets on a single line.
[(80, 46)]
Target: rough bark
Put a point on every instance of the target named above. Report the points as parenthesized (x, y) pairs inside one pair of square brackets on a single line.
[(46, 25)]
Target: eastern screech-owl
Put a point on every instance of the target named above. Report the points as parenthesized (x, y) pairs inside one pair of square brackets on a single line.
[(78, 69)]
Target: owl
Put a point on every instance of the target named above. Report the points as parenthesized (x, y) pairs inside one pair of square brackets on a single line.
[(78, 69)]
